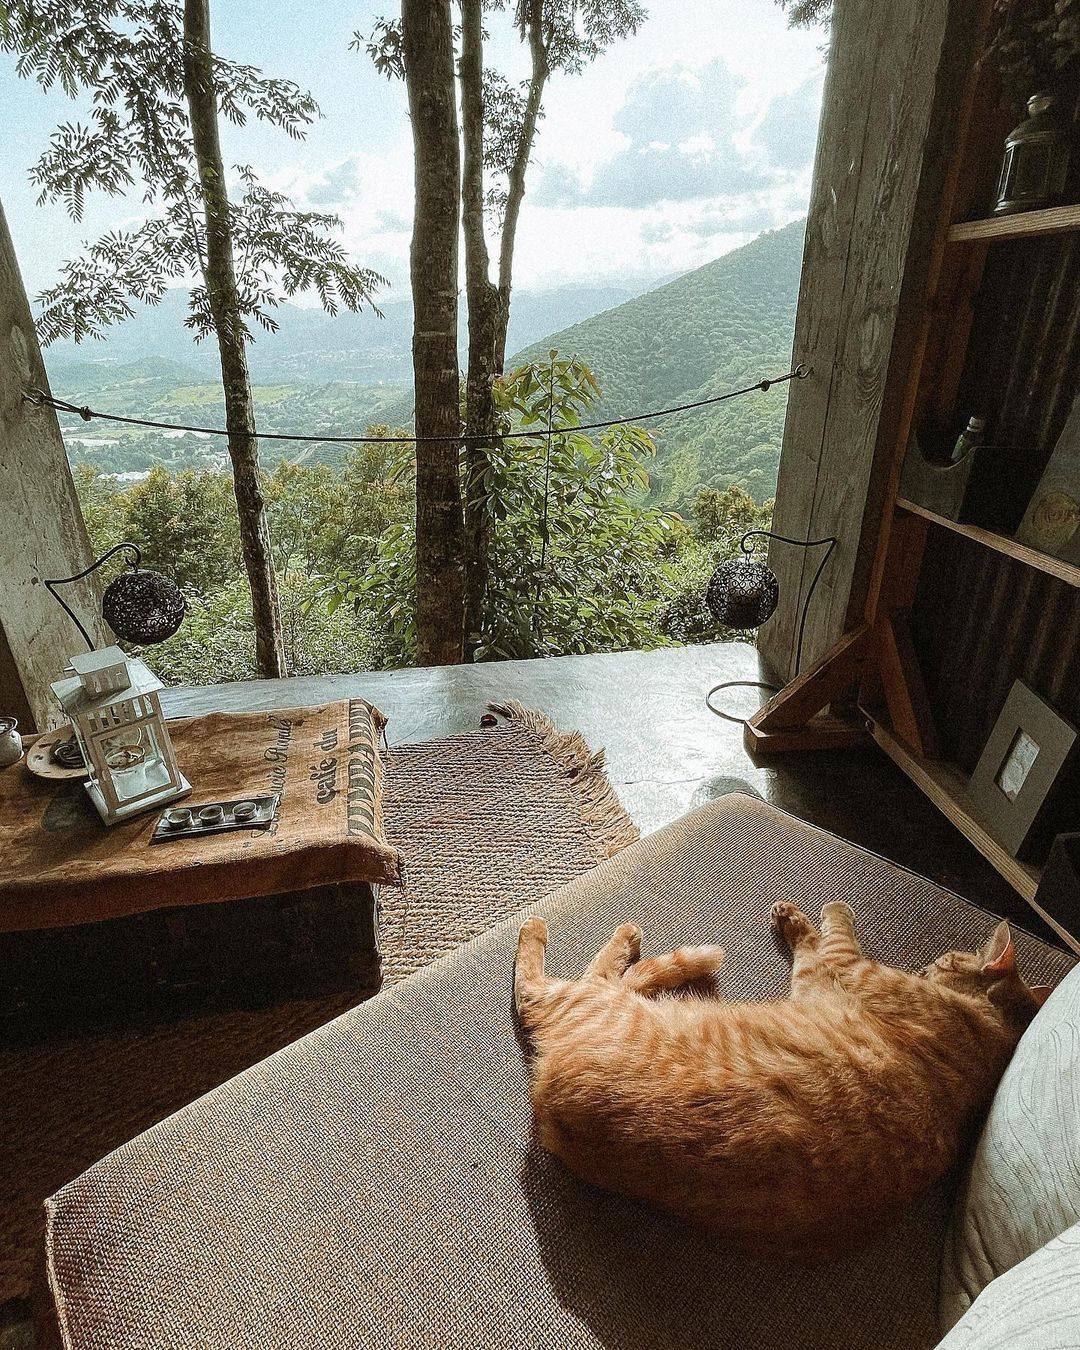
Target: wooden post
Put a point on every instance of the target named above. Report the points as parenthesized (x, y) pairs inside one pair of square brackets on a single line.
[(895, 84), (41, 525)]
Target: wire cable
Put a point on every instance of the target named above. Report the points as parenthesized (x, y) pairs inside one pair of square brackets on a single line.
[(40, 399), (771, 689)]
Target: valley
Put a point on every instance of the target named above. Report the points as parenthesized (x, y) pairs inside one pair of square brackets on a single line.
[(721, 326)]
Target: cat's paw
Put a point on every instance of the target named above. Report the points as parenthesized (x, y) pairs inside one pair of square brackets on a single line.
[(628, 937), (535, 929), (837, 911), (789, 922)]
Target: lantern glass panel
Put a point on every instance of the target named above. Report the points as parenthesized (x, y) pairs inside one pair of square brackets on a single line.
[(1033, 172), (126, 745), (131, 755)]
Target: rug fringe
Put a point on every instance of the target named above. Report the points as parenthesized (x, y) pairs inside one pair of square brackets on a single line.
[(602, 814)]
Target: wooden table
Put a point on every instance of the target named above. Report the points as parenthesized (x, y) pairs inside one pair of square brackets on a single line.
[(85, 907)]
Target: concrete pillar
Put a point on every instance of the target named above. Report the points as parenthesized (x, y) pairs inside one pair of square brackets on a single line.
[(41, 526)]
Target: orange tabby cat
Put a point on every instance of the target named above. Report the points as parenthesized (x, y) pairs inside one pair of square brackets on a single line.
[(793, 1124)]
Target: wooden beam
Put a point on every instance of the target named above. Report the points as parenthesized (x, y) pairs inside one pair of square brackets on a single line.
[(903, 686), (824, 683), (823, 732), (909, 399), (893, 94), (41, 525)]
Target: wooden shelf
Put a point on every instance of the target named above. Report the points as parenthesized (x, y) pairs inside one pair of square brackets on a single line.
[(1023, 225), (1000, 543), (946, 787)]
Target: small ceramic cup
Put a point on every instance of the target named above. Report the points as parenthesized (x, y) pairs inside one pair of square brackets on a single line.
[(178, 817), (211, 815), (10, 742), (245, 810)]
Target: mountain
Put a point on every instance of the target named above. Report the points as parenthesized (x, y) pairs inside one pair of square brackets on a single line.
[(725, 325), (310, 347)]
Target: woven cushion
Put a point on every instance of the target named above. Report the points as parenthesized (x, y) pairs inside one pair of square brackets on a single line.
[(1035, 1305), (1024, 1184), (376, 1182)]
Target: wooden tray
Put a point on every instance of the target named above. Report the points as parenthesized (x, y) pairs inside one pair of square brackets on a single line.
[(39, 758)]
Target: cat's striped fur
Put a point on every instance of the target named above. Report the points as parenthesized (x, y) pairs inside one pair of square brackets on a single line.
[(793, 1124)]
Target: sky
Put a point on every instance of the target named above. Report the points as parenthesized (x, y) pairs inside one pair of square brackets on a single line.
[(674, 147)]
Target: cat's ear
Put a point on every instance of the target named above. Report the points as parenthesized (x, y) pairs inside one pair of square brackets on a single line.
[(999, 954), (1040, 992)]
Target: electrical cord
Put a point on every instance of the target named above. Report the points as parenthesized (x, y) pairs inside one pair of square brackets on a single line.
[(747, 549)]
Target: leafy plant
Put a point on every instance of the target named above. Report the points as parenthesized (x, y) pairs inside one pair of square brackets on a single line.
[(1035, 45), (158, 92), (577, 558), (129, 55), (721, 518)]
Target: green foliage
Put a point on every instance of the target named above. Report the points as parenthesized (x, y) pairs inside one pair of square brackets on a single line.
[(617, 573), (807, 13), (575, 562), (1035, 45), (720, 327), (319, 517), (128, 54), (217, 640), (577, 559), (721, 518), (186, 526), (102, 512)]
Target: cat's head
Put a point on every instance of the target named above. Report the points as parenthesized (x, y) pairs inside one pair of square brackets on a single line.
[(991, 973)]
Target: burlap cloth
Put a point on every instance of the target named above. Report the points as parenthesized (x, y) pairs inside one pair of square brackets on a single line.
[(62, 865)]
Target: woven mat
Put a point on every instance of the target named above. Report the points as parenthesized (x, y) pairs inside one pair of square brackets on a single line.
[(488, 822)]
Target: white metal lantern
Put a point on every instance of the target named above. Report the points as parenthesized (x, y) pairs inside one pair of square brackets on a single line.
[(112, 700)]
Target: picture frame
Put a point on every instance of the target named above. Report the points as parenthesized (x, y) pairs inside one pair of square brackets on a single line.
[(1021, 763), (1051, 522)]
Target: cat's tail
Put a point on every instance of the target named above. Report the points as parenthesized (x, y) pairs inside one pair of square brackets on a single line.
[(674, 970)]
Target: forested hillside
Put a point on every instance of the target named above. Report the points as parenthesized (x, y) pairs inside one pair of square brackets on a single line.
[(310, 347), (724, 325)]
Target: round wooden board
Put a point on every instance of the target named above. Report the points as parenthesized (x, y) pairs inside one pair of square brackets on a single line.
[(39, 758)]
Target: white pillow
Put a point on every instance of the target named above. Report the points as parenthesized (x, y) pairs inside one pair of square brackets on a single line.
[(1034, 1306), (1023, 1187)]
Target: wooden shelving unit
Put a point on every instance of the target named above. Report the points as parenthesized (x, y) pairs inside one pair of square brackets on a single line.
[(946, 787), (885, 655), (1025, 225), (1000, 543)]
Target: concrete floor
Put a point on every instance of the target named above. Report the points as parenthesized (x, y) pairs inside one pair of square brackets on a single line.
[(666, 752)]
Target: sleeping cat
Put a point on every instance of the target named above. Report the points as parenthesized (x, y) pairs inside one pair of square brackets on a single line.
[(792, 1125)]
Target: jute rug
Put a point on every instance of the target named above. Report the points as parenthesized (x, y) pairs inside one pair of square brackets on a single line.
[(488, 821)]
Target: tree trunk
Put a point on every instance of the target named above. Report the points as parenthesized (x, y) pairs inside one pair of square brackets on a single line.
[(515, 187), (427, 49), (483, 303), (219, 272)]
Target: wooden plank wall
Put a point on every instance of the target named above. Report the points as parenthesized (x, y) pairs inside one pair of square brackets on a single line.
[(894, 86), (41, 526)]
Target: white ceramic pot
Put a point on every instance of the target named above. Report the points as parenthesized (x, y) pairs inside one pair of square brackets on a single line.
[(10, 742)]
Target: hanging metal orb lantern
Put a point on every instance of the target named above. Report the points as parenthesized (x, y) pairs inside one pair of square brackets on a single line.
[(743, 593), (143, 607), (1036, 161)]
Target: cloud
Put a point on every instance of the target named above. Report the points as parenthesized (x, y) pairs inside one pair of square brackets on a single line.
[(666, 173), (788, 131), (676, 128), (337, 183)]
